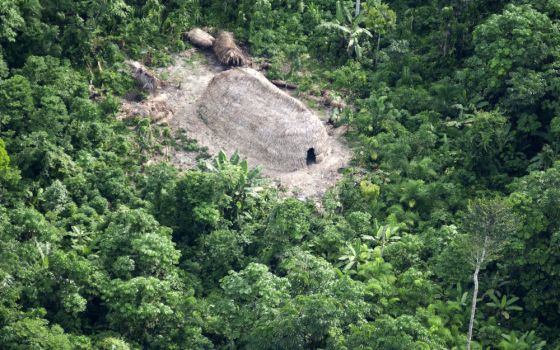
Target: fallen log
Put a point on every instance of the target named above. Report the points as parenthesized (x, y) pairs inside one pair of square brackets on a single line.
[(284, 84), (265, 66)]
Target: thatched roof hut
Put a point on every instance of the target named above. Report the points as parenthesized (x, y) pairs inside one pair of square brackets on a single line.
[(200, 38), (227, 51), (267, 124)]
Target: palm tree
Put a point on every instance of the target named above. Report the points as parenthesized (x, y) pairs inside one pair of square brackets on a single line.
[(528, 340), (355, 256), (248, 182), (504, 305), (350, 30), (384, 235)]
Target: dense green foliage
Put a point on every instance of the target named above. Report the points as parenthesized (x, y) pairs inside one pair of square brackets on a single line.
[(454, 118)]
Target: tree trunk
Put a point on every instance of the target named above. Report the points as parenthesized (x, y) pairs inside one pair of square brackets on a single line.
[(383, 237), (473, 307), (377, 50), (446, 36), (357, 8)]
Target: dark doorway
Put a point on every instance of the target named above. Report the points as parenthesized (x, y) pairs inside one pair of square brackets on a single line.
[(311, 159)]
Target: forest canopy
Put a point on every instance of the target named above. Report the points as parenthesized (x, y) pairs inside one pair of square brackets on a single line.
[(444, 232)]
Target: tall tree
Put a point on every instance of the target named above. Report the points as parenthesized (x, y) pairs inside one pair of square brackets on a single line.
[(487, 224)]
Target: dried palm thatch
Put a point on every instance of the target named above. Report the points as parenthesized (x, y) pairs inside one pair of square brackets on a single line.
[(154, 107), (200, 38), (267, 124), (227, 51), (147, 79)]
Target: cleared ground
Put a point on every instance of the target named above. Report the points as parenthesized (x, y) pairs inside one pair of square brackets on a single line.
[(186, 82)]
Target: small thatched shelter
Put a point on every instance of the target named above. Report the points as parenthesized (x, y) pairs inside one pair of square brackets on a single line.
[(266, 123), (227, 51), (200, 38), (147, 79)]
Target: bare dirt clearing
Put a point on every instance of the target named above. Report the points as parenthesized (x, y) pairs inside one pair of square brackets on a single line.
[(186, 82)]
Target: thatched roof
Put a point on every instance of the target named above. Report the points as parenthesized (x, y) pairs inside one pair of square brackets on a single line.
[(227, 51), (200, 38), (267, 124)]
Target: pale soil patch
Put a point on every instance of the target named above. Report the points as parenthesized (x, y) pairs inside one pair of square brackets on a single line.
[(186, 81)]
